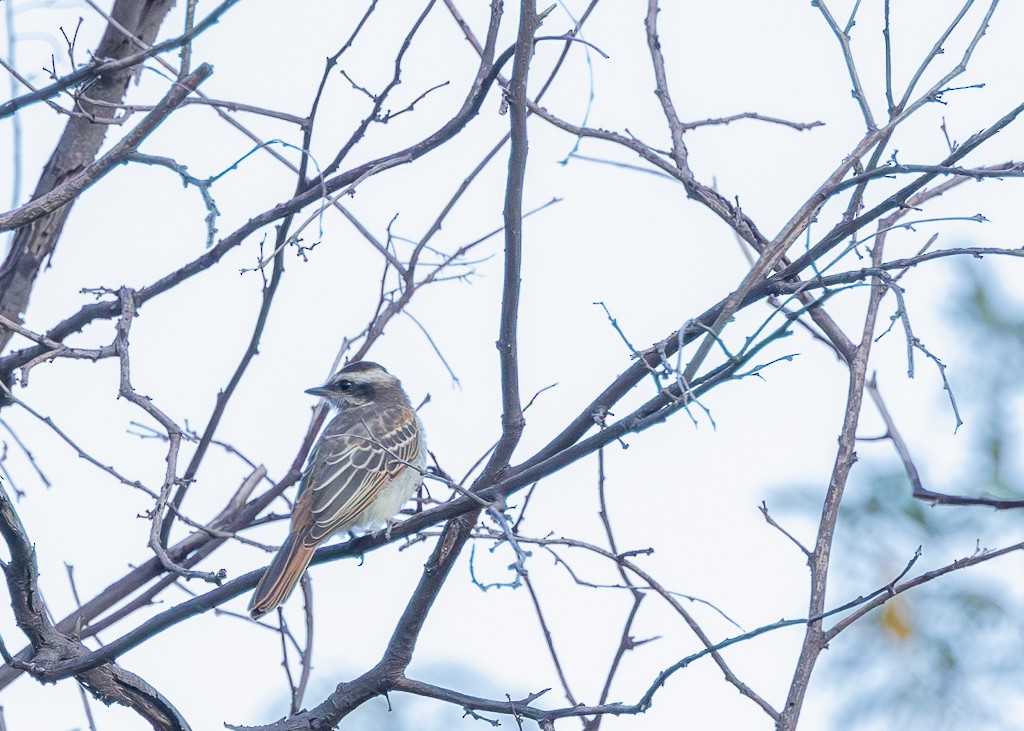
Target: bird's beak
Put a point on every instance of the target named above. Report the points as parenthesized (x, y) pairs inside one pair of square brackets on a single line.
[(321, 391)]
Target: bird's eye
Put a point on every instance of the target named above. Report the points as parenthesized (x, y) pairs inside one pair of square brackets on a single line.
[(344, 385)]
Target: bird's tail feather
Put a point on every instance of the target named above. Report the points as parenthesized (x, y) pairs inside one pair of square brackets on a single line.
[(281, 576)]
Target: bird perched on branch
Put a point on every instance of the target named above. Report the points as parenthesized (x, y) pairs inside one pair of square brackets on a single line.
[(365, 466)]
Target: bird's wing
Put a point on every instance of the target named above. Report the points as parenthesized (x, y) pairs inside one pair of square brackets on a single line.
[(360, 451)]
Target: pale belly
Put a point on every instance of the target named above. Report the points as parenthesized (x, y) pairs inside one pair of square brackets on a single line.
[(395, 495)]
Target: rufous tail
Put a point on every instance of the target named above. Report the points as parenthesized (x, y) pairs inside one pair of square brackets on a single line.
[(281, 576)]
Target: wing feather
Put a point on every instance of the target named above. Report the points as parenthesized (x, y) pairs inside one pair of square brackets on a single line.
[(359, 453)]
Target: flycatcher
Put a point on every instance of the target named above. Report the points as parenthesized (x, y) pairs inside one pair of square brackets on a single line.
[(363, 468)]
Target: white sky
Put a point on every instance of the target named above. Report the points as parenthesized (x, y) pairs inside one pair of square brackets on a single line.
[(629, 239)]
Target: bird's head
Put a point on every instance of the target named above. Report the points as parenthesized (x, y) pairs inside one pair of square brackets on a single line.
[(357, 384)]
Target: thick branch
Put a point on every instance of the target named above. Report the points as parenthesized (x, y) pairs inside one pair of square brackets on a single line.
[(107, 682), (78, 146), (512, 421)]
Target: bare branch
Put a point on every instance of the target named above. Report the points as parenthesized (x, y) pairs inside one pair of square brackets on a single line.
[(97, 68), (73, 187), (108, 683)]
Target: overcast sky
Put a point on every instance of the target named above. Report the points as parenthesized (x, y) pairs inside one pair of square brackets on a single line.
[(630, 239)]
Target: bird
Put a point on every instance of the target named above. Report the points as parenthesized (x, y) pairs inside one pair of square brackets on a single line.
[(364, 467)]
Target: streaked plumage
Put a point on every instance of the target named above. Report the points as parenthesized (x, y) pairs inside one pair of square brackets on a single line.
[(365, 466)]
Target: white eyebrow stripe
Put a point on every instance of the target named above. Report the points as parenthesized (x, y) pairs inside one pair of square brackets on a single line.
[(374, 376)]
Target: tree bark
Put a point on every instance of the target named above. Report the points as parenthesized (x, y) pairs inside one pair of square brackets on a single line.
[(77, 147)]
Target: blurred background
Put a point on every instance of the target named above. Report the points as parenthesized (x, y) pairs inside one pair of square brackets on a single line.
[(608, 228)]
